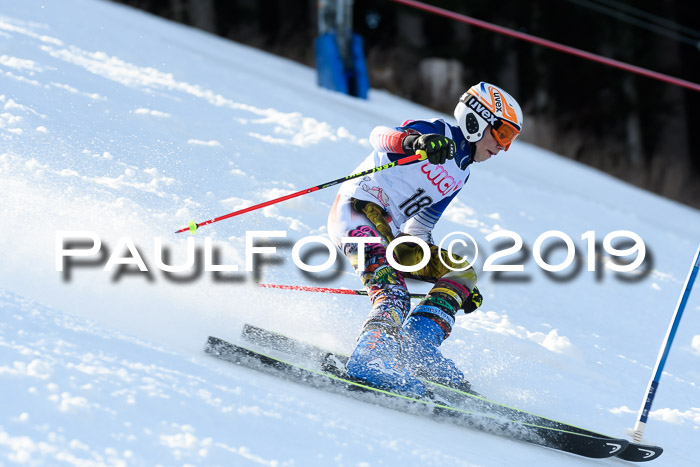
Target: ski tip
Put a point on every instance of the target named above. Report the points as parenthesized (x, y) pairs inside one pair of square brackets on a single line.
[(636, 452), (192, 226)]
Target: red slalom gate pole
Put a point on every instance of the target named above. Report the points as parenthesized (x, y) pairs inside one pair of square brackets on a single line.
[(305, 288), (192, 226), (550, 44)]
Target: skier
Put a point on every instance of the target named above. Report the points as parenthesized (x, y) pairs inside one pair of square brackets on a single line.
[(398, 345)]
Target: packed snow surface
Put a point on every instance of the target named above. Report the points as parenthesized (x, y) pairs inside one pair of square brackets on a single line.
[(117, 128)]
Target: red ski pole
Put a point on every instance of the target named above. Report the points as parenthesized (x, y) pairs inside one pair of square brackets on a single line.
[(325, 290), (193, 226)]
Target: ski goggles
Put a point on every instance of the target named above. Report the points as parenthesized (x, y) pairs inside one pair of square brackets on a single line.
[(504, 133)]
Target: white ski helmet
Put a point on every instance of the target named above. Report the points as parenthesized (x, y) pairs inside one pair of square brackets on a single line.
[(485, 104)]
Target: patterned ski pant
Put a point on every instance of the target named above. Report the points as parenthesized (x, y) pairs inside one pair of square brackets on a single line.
[(386, 285)]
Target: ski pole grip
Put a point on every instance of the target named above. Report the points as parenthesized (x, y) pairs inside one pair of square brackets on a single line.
[(420, 155)]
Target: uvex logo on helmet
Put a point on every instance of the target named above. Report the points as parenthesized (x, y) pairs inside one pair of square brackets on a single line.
[(502, 108), (481, 110), (497, 100)]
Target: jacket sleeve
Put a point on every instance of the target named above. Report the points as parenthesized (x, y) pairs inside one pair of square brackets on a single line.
[(385, 139), (390, 140)]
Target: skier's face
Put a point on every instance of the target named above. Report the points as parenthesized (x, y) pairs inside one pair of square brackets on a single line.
[(487, 147)]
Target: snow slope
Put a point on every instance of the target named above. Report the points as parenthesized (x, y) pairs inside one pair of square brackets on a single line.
[(127, 126)]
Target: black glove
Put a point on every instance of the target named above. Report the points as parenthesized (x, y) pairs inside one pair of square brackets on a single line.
[(473, 301), (438, 148)]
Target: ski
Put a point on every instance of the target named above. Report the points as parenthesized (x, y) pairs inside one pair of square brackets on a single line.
[(562, 440), (335, 363)]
